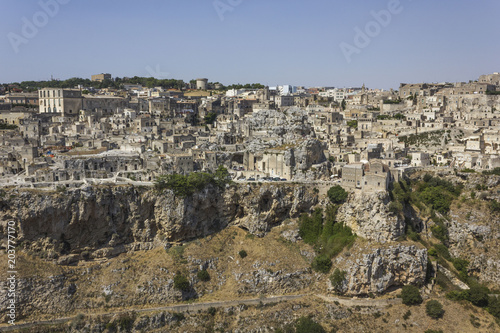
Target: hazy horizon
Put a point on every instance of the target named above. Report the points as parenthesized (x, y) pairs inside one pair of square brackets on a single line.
[(319, 43)]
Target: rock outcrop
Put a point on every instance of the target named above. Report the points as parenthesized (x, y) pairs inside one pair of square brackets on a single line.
[(376, 269), (368, 215), (110, 220), (474, 236)]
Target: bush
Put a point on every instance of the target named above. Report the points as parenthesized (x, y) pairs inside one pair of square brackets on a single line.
[(407, 315), (203, 275), (322, 264), (337, 194), (442, 250), (411, 295), (495, 206), (478, 295), (310, 227), (178, 316), (433, 331), (242, 254), (460, 264), (440, 231), (437, 193), (181, 282), (307, 325), (337, 278), (328, 237), (395, 207), (186, 185), (456, 295), (494, 306), (434, 309), (352, 123), (125, 322), (432, 252)]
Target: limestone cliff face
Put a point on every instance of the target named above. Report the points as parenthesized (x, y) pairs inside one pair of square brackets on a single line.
[(121, 218), (474, 236), (367, 214), (374, 269)]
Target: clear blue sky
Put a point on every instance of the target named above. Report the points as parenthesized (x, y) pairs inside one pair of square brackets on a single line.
[(267, 41)]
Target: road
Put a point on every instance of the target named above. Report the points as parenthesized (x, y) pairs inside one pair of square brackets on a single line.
[(206, 305)]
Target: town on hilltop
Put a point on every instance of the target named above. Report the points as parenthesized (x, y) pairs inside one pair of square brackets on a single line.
[(132, 131)]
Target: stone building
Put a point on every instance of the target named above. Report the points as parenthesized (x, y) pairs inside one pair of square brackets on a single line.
[(369, 177), (101, 77)]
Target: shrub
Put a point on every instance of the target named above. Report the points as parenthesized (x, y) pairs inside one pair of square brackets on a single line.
[(328, 237), (322, 264), (442, 250), (212, 311), (337, 278), (310, 227), (181, 282), (412, 235), (456, 295), (111, 327), (475, 321), (433, 331), (478, 295), (352, 123), (203, 275), (434, 309), (186, 185), (411, 295), (495, 206), (337, 194), (460, 264), (307, 325), (494, 306), (407, 315), (178, 316), (432, 252), (242, 254), (395, 207), (125, 322), (440, 231)]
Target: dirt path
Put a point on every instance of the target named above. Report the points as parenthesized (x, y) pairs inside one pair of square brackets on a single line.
[(207, 305)]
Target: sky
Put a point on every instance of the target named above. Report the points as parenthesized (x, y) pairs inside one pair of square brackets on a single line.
[(379, 43)]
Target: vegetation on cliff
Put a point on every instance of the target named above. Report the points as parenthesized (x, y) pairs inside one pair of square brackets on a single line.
[(186, 185), (324, 233)]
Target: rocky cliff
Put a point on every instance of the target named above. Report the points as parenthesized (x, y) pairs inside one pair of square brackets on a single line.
[(368, 215), (375, 269), (110, 220)]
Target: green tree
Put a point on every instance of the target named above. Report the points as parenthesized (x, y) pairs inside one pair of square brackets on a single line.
[(310, 227), (343, 104), (337, 194), (181, 282), (210, 117), (222, 176), (203, 275), (307, 325), (434, 309), (337, 279), (322, 263), (411, 295), (494, 306), (478, 295), (242, 254), (352, 123)]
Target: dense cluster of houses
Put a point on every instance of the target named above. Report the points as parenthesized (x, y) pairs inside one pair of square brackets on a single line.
[(362, 138)]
